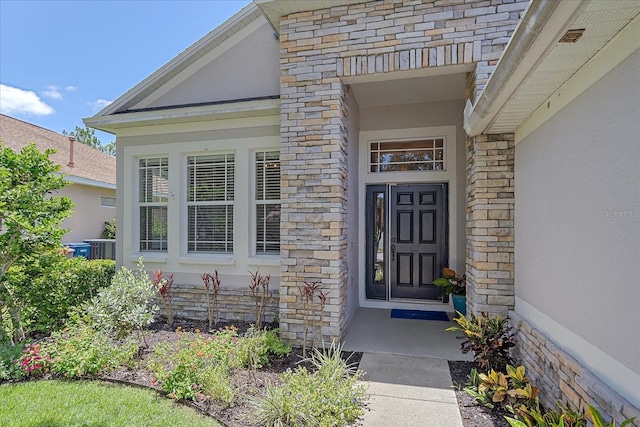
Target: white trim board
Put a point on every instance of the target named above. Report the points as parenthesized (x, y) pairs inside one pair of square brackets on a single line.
[(617, 376)]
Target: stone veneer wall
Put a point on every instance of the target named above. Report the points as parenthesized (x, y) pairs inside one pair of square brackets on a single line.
[(319, 47), (190, 302), (561, 378), (490, 224)]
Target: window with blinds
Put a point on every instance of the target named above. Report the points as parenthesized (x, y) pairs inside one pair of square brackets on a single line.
[(152, 199), (210, 196), (267, 202)]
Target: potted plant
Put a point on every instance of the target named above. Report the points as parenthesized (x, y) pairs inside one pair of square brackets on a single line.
[(456, 286)]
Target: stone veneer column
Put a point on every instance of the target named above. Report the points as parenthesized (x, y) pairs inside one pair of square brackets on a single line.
[(490, 224), (314, 191)]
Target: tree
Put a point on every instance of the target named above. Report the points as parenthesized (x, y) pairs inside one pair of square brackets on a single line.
[(30, 217), (88, 137)]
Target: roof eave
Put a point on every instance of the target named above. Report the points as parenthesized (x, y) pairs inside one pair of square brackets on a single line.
[(89, 182), (252, 108), (538, 30)]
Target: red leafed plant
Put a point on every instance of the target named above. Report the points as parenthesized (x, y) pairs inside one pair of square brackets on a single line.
[(259, 287), (212, 283), (163, 284), (312, 318)]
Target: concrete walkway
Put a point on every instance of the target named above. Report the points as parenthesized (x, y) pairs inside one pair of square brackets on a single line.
[(406, 369), (409, 391)]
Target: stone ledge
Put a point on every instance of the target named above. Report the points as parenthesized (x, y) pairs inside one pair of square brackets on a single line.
[(561, 377)]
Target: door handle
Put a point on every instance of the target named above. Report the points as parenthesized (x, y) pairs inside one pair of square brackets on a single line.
[(393, 252)]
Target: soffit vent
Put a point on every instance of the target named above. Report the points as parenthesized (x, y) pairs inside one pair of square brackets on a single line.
[(571, 36)]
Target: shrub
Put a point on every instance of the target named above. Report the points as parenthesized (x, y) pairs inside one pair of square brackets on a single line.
[(255, 346), (9, 368), (126, 305), (330, 396), (564, 416), (488, 338), (185, 370), (598, 421), (510, 391), (109, 230), (82, 350), (56, 285), (79, 350)]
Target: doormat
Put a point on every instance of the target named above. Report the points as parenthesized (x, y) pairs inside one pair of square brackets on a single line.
[(419, 315)]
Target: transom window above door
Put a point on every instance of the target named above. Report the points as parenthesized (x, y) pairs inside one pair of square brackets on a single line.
[(399, 156)]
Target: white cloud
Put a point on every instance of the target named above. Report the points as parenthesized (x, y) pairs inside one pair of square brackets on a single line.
[(52, 92), (70, 88), (18, 101), (99, 104)]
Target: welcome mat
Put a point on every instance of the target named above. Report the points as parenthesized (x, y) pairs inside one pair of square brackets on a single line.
[(419, 315)]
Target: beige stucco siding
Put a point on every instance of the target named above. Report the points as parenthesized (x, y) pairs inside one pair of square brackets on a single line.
[(234, 74), (578, 225), (88, 218)]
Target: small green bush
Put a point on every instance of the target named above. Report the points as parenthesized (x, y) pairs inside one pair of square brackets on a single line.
[(330, 396), (488, 338), (80, 350), (510, 391), (56, 284), (9, 368), (126, 305), (255, 346), (184, 370)]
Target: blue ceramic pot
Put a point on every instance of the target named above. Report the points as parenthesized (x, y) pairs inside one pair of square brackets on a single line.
[(460, 303)]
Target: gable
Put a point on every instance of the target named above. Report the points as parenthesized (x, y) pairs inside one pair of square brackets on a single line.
[(245, 70)]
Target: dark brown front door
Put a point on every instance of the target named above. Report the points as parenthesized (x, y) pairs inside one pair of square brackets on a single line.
[(418, 239)]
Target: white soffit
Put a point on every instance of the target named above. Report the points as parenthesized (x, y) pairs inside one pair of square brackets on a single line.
[(275, 9), (601, 21)]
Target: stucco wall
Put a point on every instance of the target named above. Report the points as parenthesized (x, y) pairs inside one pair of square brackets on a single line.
[(577, 220), (88, 218), (233, 74)]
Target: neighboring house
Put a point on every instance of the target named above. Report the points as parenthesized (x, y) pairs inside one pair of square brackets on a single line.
[(366, 145), (90, 172)]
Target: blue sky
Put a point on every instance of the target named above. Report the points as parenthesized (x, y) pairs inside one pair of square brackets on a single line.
[(61, 61)]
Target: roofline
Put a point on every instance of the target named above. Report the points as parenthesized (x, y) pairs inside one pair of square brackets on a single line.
[(211, 111), (190, 54), (88, 182), (542, 24)]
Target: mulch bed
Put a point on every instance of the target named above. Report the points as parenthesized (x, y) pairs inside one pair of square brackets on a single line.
[(473, 415), (242, 380)]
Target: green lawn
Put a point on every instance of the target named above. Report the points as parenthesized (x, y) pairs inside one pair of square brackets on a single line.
[(94, 404)]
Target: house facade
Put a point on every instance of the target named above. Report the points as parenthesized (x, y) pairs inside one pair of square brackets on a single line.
[(91, 175), (364, 146)]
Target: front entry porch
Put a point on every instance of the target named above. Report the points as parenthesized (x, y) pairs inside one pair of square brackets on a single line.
[(372, 330)]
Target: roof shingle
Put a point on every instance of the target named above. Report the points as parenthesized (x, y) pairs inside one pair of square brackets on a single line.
[(89, 163)]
